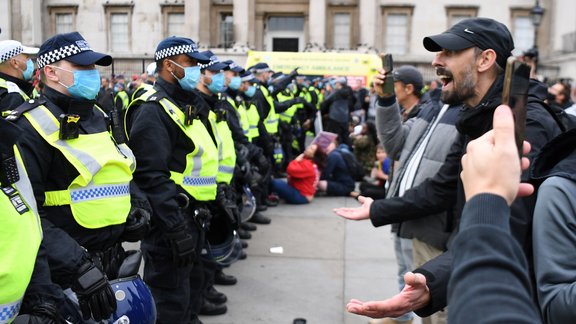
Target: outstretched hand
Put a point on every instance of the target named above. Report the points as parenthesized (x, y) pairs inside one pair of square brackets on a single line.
[(356, 213), (415, 295)]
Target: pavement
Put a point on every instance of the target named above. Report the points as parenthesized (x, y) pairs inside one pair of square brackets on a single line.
[(325, 261)]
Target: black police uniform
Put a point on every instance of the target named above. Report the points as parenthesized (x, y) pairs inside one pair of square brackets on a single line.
[(160, 146), (10, 100)]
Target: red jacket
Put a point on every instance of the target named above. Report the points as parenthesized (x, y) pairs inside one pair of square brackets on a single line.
[(303, 176)]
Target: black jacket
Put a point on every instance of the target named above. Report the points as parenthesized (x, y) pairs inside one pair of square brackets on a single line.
[(11, 100), (445, 189), (48, 169), (160, 146)]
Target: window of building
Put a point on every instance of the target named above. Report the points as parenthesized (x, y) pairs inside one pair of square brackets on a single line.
[(62, 19), (226, 30), (284, 33), (221, 26), (522, 30), (119, 28), (342, 27), (174, 20), (341, 31), (455, 15), (397, 27), (280, 23)]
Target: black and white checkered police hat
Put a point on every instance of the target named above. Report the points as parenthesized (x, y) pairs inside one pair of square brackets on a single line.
[(173, 45), (10, 48), (215, 64), (71, 47), (233, 66)]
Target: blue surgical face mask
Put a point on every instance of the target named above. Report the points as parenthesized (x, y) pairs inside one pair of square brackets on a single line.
[(191, 76), (235, 83), (29, 72), (86, 84), (250, 91), (218, 81)]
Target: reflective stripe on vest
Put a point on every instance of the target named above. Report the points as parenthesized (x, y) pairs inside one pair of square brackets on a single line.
[(226, 153), (199, 176), (12, 87), (9, 311), (105, 171), (242, 115), (271, 121), (253, 120), (22, 235)]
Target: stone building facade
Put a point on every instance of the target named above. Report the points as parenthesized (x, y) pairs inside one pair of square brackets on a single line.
[(130, 29)]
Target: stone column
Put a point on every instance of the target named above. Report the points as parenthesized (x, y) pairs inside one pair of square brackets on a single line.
[(6, 20), (369, 10), (243, 13), (317, 22), (192, 19)]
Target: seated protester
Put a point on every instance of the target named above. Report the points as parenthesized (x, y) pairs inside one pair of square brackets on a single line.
[(374, 188), (336, 179), (364, 146), (303, 176)]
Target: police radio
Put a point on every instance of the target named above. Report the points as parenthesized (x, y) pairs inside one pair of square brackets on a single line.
[(190, 114), (69, 128)]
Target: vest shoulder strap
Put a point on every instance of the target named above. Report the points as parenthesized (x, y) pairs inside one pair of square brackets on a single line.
[(16, 113)]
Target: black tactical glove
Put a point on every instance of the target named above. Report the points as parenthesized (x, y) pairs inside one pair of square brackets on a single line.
[(137, 225), (41, 314), (94, 293), (183, 245)]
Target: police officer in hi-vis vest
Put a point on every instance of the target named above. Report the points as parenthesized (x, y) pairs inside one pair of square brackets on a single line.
[(16, 72), (81, 177), (23, 263), (174, 142)]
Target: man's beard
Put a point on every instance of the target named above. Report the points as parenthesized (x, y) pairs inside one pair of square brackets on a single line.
[(461, 91)]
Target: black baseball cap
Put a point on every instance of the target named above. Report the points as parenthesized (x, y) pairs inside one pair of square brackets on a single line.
[(174, 45), (408, 74), (484, 33), (71, 47)]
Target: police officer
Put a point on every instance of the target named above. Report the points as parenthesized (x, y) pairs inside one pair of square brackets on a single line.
[(80, 176), (25, 267), (174, 142), (16, 72)]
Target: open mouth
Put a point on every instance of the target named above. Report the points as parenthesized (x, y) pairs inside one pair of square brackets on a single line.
[(446, 80)]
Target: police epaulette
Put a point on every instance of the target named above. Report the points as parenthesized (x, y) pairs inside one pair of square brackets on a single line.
[(14, 115)]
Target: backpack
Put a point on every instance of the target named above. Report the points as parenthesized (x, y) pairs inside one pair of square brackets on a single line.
[(356, 169)]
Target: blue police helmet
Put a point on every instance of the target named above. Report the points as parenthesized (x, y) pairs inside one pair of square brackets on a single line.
[(248, 208), (134, 301), (224, 244)]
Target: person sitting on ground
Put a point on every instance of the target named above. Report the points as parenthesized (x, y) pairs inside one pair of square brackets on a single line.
[(364, 146), (303, 176), (374, 186), (336, 179)]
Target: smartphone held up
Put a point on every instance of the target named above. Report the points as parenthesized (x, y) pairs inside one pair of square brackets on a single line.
[(515, 95), (387, 65)]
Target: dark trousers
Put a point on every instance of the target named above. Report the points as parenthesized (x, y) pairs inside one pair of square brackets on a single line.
[(177, 291)]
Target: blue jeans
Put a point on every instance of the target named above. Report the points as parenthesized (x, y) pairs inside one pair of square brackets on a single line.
[(403, 252), (288, 193)]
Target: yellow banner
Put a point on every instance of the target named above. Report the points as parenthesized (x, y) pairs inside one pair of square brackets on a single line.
[(318, 63)]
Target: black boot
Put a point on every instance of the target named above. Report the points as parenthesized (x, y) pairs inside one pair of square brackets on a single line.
[(208, 308), (214, 296), (260, 219), (248, 226), (220, 278)]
